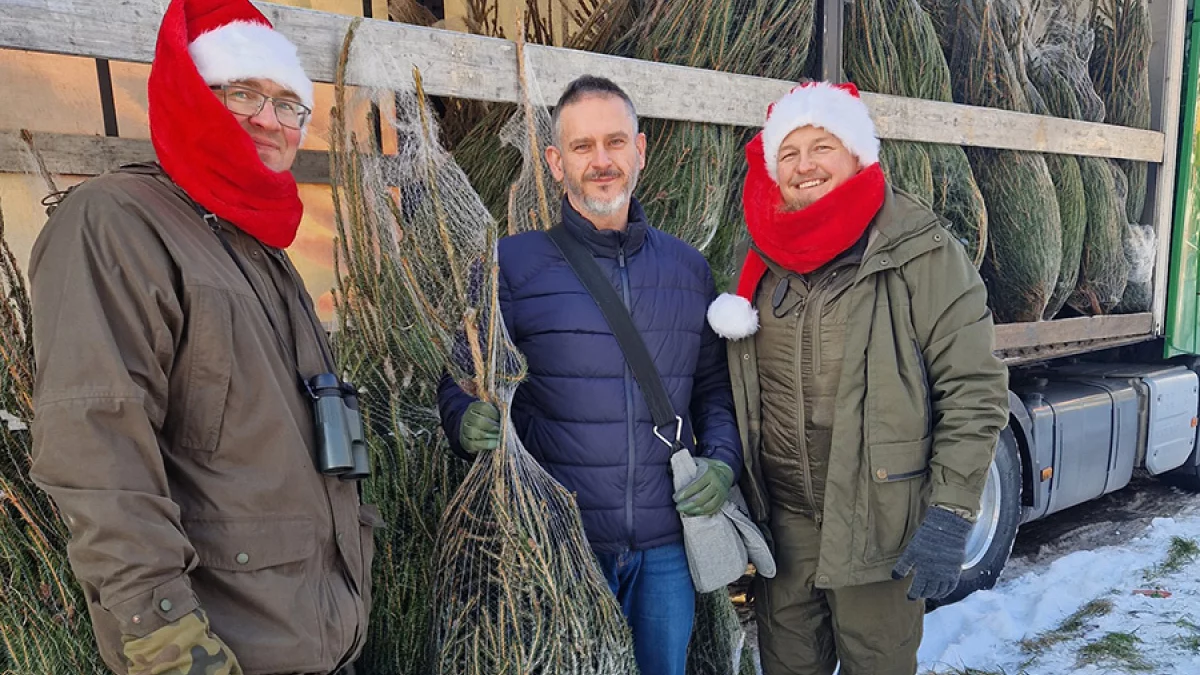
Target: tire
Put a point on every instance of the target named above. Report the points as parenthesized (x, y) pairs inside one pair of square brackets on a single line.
[(1186, 477), (991, 541)]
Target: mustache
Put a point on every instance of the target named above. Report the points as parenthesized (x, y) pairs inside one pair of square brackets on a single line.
[(605, 173)]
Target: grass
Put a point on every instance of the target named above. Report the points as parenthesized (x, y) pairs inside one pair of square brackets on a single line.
[(1189, 641), (1182, 553), (1116, 649), (1071, 627)]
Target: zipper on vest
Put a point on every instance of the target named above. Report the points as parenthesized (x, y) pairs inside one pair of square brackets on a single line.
[(802, 420), (817, 297), (629, 419)]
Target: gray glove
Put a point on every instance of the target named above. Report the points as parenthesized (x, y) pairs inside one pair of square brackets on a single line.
[(936, 551)]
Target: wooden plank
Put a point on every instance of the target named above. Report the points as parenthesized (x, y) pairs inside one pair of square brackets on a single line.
[(1018, 357), (68, 154), (1012, 336), (1165, 176), (482, 68)]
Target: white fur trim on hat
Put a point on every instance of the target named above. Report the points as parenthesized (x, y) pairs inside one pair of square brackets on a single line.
[(242, 50), (821, 104), (732, 317)]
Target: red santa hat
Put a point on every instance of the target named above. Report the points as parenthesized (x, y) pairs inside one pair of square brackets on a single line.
[(835, 108), (200, 145), (230, 40), (838, 109)]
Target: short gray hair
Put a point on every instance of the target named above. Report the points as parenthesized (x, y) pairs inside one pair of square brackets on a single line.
[(583, 87)]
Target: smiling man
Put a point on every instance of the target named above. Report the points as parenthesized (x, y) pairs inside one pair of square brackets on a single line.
[(171, 336), (580, 411), (866, 391)]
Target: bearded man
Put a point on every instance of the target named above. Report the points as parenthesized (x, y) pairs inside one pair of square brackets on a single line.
[(867, 393), (580, 411)]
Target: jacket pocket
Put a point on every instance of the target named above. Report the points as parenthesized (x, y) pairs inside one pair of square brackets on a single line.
[(894, 496), (207, 371), (369, 521), (257, 580)]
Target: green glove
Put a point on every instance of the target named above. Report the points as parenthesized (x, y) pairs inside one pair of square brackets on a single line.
[(480, 428), (708, 491)]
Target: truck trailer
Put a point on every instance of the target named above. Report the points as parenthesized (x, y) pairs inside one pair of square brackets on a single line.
[(1093, 398)]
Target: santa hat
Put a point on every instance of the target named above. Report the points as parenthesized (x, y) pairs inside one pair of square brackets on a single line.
[(835, 108), (230, 40), (838, 109), (199, 144)]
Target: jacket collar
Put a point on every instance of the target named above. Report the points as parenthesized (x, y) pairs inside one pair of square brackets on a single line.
[(607, 243), (902, 230)]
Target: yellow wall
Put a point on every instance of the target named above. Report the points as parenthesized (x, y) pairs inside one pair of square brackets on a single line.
[(59, 94)]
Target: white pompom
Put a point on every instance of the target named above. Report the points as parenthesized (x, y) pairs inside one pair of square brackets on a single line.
[(732, 317)]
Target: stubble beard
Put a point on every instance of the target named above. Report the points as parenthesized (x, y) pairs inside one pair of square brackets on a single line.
[(603, 207)]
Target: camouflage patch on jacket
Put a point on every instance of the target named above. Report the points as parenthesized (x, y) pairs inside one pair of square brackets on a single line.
[(185, 647)]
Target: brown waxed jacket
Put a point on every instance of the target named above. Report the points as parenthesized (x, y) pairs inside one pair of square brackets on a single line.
[(171, 431), (920, 400)]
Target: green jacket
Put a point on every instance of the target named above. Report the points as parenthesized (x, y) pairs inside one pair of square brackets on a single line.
[(920, 402)]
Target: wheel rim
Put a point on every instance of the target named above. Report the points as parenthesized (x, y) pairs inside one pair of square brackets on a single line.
[(984, 532)]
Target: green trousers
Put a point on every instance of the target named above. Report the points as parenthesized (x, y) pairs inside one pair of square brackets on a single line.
[(873, 629)]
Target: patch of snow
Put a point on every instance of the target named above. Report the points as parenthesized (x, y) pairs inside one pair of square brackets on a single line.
[(985, 630)]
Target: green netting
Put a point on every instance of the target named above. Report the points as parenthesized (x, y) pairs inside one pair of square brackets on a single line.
[(1120, 69), (1024, 251), (718, 644), (901, 55), (1072, 212), (907, 167), (1103, 270), (44, 623), (957, 198), (1024, 233)]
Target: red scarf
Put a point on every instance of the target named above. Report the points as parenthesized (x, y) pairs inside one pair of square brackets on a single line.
[(206, 152), (805, 240)]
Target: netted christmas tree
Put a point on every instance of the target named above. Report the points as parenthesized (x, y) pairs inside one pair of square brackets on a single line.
[(515, 588), (44, 623)]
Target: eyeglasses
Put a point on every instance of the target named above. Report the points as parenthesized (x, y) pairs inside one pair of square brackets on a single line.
[(243, 101)]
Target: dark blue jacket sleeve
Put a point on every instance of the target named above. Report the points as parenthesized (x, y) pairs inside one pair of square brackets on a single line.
[(452, 400), (713, 418), (452, 405)]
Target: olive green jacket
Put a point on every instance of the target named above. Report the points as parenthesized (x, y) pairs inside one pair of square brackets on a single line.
[(920, 403)]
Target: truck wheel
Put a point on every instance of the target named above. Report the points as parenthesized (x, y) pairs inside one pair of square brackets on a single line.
[(1185, 478), (991, 540)]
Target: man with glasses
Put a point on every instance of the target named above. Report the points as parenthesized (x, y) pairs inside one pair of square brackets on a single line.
[(172, 337)]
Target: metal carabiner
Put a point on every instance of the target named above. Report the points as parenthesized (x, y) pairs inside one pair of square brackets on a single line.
[(678, 433)]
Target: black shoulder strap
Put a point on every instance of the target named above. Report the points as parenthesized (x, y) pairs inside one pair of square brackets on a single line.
[(628, 337)]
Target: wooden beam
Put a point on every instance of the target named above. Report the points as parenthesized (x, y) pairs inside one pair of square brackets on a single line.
[(482, 68), (1014, 336), (68, 154)]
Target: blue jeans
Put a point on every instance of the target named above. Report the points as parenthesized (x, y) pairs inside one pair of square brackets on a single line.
[(656, 594)]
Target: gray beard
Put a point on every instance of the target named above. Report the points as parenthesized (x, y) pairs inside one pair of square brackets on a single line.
[(603, 207)]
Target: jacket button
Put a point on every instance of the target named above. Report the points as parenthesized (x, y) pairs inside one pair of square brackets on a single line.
[(242, 558), (137, 619), (937, 237), (883, 262), (882, 474), (165, 605), (745, 357)]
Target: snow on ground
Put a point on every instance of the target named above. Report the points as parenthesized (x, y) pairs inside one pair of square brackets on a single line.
[(984, 633)]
